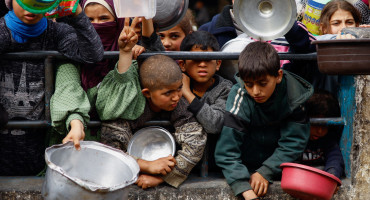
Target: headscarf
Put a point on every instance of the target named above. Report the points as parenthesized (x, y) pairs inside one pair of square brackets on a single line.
[(21, 31), (93, 74)]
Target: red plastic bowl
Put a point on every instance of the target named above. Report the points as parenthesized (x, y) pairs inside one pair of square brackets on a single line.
[(307, 183)]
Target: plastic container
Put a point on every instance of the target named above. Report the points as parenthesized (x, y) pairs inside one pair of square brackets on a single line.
[(38, 6), (307, 183), (135, 8), (312, 15)]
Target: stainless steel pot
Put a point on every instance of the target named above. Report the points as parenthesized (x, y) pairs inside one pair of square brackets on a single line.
[(169, 13), (96, 171)]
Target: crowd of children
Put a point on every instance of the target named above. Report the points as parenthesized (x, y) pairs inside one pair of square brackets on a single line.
[(252, 127)]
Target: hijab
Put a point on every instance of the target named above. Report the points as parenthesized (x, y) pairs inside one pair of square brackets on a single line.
[(93, 74)]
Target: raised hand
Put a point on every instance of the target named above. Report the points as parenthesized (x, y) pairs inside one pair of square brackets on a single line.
[(128, 38)]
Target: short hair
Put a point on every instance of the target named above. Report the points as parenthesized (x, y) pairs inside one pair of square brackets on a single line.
[(258, 59), (159, 71), (330, 8), (186, 23), (203, 39), (322, 104)]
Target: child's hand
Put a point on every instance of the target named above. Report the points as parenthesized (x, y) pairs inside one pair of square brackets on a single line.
[(186, 91), (259, 184), (76, 133), (365, 25), (160, 166), (146, 181), (128, 38), (249, 194), (136, 51), (346, 36)]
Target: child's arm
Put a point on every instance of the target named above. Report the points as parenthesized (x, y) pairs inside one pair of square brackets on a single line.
[(126, 41), (334, 162), (76, 38), (146, 181), (192, 138), (160, 166), (210, 116), (69, 105), (294, 135), (150, 39), (300, 39)]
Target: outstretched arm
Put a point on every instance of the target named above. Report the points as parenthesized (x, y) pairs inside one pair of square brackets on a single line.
[(126, 41)]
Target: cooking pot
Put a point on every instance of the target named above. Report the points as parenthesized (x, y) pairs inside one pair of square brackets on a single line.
[(96, 171), (169, 13)]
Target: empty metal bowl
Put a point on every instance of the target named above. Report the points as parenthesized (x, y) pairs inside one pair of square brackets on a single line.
[(151, 143), (169, 13)]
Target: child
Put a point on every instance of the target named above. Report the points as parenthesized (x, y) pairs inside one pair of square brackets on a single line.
[(205, 91), (323, 148), (265, 122), (161, 80), (172, 38), (22, 88)]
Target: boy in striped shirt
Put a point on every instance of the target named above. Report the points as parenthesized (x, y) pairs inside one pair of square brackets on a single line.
[(265, 122)]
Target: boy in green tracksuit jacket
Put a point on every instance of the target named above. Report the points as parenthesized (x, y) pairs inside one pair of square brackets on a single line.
[(265, 122)]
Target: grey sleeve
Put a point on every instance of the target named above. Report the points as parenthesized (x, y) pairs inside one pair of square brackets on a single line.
[(211, 117), (78, 40)]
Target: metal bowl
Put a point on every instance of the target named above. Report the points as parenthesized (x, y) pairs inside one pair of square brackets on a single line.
[(265, 19), (169, 13), (96, 171), (151, 143)]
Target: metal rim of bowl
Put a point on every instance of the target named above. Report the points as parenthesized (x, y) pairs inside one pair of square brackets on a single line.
[(237, 13), (97, 146), (175, 21), (139, 132)]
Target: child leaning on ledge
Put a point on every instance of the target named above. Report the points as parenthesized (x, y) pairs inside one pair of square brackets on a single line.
[(265, 122)]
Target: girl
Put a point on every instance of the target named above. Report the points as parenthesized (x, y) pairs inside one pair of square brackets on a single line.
[(173, 37), (23, 81), (335, 16)]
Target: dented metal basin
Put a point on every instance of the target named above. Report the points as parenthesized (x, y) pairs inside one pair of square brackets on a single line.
[(96, 171)]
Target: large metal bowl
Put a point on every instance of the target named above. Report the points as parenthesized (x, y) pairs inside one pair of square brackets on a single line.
[(151, 143), (169, 13), (96, 172), (265, 19)]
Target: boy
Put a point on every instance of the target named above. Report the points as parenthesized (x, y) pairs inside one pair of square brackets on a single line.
[(265, 122), (161, 80), (205, 91), (323, 148)]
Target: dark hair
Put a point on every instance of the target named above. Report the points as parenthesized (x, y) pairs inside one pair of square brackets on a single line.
[(258, 59), (186, 23), (159, 71), (322, 104), (330, 8), (203, 39)]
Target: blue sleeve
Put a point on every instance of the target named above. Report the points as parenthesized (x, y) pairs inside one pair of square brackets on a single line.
[(300, 39), (334, 162)]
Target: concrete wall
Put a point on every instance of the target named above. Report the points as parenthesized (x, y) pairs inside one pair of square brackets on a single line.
[(361, 146)]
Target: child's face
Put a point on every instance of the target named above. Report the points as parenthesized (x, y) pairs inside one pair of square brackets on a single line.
[(317, 132), (171, 39), (200, 71), (165, 98), (341, 19), (262, 88), (25, 16), (98, 14)]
